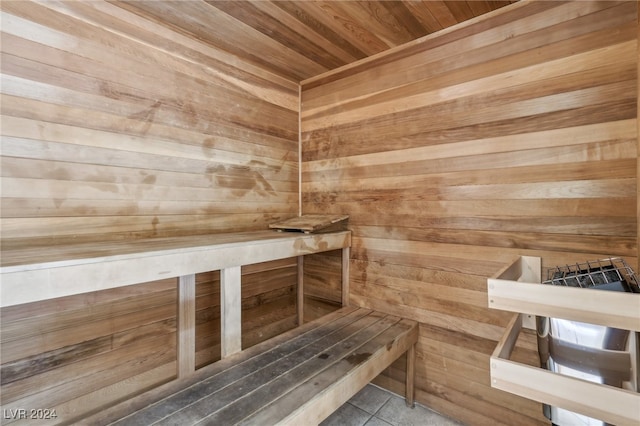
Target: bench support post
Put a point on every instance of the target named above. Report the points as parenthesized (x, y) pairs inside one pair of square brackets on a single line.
[(186, 325), (410, 379), (300, 290), (230, 310), (345, 276)]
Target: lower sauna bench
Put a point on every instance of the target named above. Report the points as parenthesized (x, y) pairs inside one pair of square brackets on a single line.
[(297, 378)]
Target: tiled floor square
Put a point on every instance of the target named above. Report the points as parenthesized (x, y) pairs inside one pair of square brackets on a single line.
[(396, 412), (370, 399), (347, 415), (374, 406), (374, 421)]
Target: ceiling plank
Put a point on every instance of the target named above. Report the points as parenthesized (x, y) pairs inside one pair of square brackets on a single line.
[(297, 40), (460, 10), (316, 25), (272, 27), (424, 15), (350, 23), (441, 12), (310, 29)]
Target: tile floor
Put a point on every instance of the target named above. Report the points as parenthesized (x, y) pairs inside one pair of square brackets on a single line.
[(374, 406)]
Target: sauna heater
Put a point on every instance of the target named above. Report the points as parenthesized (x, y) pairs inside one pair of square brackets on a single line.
[(590, 352)]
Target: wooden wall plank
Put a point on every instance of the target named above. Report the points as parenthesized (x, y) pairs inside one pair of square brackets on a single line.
[(76, 98), (516, 134), (116, 126)]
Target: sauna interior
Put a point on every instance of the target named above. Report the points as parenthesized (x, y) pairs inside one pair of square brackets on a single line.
[(456, 135)]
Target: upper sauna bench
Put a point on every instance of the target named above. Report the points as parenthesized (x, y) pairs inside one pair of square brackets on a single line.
[(31, 273)]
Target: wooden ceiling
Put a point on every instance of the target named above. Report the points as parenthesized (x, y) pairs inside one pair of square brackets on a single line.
[(302, 39)]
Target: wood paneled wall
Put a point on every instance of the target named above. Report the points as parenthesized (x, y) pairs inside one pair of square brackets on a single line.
[(115, 126), (322, 284), (514, 134)]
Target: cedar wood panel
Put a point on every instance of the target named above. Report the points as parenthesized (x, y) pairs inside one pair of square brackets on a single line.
[(512, 135), (515, 134), (301, 39), (116, 127)]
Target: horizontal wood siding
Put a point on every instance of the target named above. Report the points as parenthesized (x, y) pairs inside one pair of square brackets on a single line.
[(510, 135), (80, 353), (115, 127), (322, 284), (268, 306)]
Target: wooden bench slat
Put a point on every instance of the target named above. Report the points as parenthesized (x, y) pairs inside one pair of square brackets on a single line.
[(296, 404), (300, 370), (314, 368), (221, 382), (218, 392), (156, 395), (225, 386)]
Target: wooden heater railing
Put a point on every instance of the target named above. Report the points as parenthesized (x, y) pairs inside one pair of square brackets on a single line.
[(517, 288)]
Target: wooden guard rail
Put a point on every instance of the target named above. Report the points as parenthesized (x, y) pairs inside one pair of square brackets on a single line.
[(516, 288)]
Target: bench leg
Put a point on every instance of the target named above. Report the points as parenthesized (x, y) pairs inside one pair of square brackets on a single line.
[(186, 325), (230, 311), (410, 379), (300, 290), (345, 276)]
